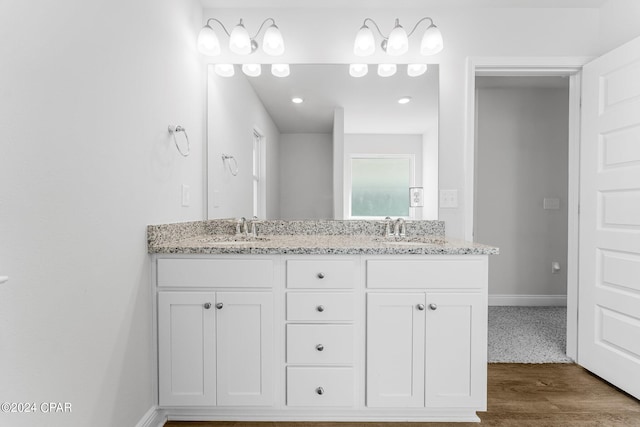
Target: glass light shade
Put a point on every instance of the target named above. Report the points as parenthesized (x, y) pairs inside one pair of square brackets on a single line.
[(386, 70), (415, 70), (224, 70), (365, 44), (239, 40), (432, 42), (273, 43), (358, 70), (398, 42), (252, 70), (208, 43), (280, 70)]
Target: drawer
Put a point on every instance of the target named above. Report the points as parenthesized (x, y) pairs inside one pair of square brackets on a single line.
[(320, 344), (427, 273), (221, 272), (321, 273), (320, 386), (320, 306)]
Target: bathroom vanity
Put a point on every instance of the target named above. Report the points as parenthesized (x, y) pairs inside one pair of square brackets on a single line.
[(319, 321)]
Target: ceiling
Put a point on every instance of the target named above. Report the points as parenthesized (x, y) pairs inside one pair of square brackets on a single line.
[(369, 4), (369, 102)]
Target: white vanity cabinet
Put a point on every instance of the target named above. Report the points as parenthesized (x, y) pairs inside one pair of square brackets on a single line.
[(215, 347)]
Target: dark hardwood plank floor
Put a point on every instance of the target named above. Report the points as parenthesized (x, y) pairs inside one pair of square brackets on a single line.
[(546, 395)]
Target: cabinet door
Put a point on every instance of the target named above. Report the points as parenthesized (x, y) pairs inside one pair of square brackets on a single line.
[(456, 359), (395, 350), (186, 348), (245, 348)]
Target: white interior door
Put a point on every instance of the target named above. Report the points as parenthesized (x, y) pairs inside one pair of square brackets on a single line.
[(609, 290)]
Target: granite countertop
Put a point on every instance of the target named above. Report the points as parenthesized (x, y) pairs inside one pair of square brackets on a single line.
[(308, 238)]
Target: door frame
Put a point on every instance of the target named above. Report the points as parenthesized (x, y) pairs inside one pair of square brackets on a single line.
[(533, 66)]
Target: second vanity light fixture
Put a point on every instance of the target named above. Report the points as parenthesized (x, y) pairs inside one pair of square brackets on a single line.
[(397, 42)]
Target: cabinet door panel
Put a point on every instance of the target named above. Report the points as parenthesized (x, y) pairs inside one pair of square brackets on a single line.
[(455, 350), (186, 344), (395, 350), (245, 348)]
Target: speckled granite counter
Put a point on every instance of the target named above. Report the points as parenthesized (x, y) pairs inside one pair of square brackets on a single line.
[(308, 238)]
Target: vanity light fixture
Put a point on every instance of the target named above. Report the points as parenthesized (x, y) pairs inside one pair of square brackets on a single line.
[(397, 42), (358, 70), (252, 70), (240, 42), (280, 70), (387, 70), (224, 70), (415, 70)]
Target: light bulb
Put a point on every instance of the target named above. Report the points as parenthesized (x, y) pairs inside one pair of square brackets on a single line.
[(365, 44), (208, 43), (404, 100), (252, 70), (297, 100), (239, 40), (386, 70), (398, 42), (432, 42), (415, 70), (273, 43), (358, 70), (280, 70), (224, 70)]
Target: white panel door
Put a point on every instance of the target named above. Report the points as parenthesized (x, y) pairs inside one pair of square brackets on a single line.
[(395, 350), (456, 356), (186, 348), (245, 348), (609, 289)]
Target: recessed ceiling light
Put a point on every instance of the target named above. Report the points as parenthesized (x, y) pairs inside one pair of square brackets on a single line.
[(404, 100), (297, 100)]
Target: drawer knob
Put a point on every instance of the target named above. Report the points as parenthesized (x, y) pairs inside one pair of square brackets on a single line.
[(320, 275), (320, 391), (420, 307), (320, 347), (219, 305), (207, 305), (320, 308), (433, 306)]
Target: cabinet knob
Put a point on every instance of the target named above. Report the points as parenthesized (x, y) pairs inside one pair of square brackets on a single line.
[(207, 305), (320, 275), (219, 305), (320, 308), (420, 307), (320, 391), (433, 306), (320, 347)]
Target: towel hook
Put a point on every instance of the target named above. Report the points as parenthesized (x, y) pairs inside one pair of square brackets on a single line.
[(175, 129), (226, 159)]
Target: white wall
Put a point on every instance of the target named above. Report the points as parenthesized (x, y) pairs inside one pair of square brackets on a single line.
[(618, 23), (467, 32), (234, 111), (306, 176), (87, 92), (522, 157)]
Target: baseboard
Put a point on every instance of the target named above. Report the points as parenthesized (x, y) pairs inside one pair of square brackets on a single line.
[(155, 417), (528, 300)]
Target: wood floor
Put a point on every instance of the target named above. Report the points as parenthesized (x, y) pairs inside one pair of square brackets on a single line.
[(546, 395)]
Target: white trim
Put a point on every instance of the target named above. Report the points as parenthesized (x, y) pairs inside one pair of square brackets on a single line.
[(528, 300), (155, 417), (541, 66)]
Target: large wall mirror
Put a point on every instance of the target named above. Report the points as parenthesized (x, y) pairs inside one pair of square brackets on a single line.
[(321, 144)]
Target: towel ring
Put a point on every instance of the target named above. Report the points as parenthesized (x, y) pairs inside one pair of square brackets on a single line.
[(175, 129), (226, 159)]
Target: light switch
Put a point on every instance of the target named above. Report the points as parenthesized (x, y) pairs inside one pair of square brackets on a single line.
[(551, 203), (186, 195), (448, 198)]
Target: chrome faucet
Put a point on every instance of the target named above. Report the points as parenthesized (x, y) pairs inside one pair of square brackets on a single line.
[(241, 226), (387, 228), (399, 229)]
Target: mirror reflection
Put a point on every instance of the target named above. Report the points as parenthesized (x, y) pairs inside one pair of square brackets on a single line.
[(321, 144)]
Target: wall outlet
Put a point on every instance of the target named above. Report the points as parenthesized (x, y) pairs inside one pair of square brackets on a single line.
[(448, 198), (555, 267), (186, 195)]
